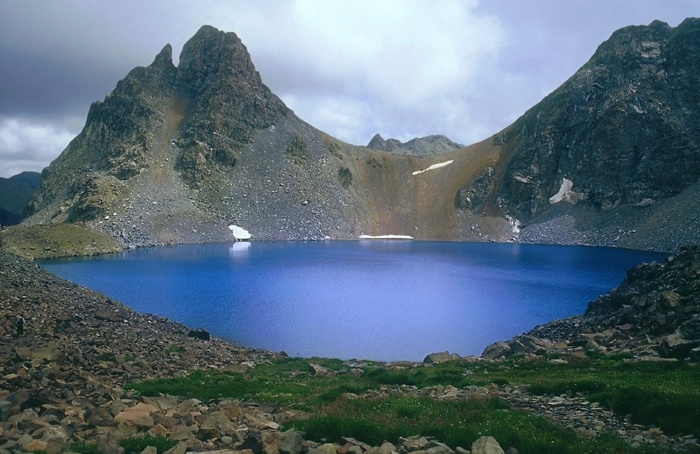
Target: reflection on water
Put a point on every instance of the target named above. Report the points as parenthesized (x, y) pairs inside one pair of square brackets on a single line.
[(239, 249), (384, 300)]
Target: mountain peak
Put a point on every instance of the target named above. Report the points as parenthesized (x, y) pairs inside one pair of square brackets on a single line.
[(212, 54), (164, 57)]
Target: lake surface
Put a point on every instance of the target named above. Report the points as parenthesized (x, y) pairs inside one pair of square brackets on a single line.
[(381, 300)]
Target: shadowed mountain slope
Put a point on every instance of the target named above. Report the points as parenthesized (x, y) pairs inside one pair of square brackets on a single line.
[(14, 194)]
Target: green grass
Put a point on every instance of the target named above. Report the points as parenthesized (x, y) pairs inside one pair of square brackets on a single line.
[(82, 447), (56, 240), (663, 394), (138, 444)]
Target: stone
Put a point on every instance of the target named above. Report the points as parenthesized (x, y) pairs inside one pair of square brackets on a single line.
[(385, 448), (179, 448), (100, 416), (436, 447), (36, 445), (440, 357), (158, 430), (486, 445), (349, 448), (530, 344), (56, 434), (497, 350), (138, 415), (214, 425), (252, 442), (327, 448), (291, 442), (412, 444), (317, 369), (353, 442), (676, 346), (592, 346), (181, 433)]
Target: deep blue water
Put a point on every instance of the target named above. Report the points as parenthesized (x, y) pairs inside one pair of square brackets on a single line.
[(381, 300)]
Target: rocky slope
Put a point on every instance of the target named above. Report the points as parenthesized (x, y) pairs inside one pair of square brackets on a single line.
[(654, 314), (15, 192), (175, 154), (622, 129)]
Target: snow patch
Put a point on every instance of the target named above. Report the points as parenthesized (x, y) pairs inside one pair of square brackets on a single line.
[(239, 233), (386, 237), (515, 224), (565, 193), (434, 166)]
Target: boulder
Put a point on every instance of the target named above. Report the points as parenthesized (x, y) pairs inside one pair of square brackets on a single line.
[(317, 369), (497, 350), (179, 448), (385, 448), (214, 425), (676, 346), (252, 442), (36, 446), (412, 444), (440, 357), (436, 447), (291, 442), (530, 344), (486, 445), (138, 415)]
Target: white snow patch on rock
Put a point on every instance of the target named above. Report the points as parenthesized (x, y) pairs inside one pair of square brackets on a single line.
[(386, 237), (565, 193), (239, 233), (514, 224), (434, 166)]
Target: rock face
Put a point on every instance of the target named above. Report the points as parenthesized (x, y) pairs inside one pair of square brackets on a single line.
[(176, 154), (623, 129), (14, 194), (654, 313)]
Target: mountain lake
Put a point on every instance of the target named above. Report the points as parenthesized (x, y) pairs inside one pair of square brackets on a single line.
[(377, 300)]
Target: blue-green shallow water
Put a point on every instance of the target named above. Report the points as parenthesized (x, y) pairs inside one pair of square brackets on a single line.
[(381, 300)]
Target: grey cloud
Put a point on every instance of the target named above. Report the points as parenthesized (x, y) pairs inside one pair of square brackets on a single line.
[(57, 57)]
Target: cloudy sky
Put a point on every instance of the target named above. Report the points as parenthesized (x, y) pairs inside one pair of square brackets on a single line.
[(401, 68)]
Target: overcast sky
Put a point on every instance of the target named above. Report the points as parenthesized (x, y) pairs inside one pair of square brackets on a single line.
[(403, 68)]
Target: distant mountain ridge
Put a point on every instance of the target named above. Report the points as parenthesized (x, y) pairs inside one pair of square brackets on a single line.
[(418, 146), (15, 192), (175, 154)]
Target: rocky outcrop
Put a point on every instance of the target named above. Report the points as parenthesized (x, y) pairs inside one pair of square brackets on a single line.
[(623, 128), (654, 315)]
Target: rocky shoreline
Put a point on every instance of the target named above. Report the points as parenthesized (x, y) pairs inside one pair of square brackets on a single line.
[(63, 380), (653, 314)]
